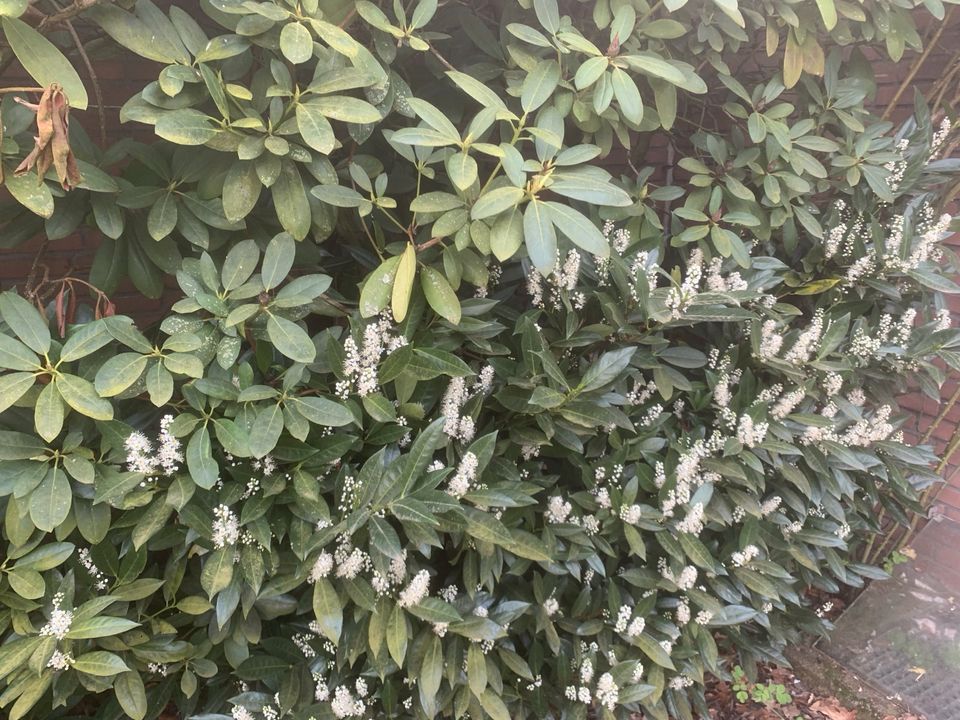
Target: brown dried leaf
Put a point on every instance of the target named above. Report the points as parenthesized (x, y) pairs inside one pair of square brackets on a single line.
[(831, 708), (52, 142)]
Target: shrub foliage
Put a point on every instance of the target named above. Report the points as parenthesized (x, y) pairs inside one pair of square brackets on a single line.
[(463, 406)]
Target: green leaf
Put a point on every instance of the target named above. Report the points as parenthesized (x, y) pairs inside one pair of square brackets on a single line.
[(462, 169), (377, 288), (13, 8), (241, 191), (529, 546), (85, 340), (26, 322), (296, 44), (607, 369), (655, 66), (628, 95), (43, 61), (934, 281), (435, 610), (151, 522), (792, 60), (652, 650), (131, 695), (48, 414), (440, 295), (137, 35), (539, 236), (185, 127), (403, 283), (98, 627), (495, 202), (277, 260), (14, 654), (118, 373), (477, 90), (14, 386), (217, 571), (828, 11), (476, 669), (435, 118), (338, 196), (421, 452), (397, 635), (123, 330), (315, 129), (162, 218), (328, 610), (506, 235), (203, 470), (291, 340), (266, 431), (100, 663), (19, 446), (239, 264), (539, 85), (384, 539), (591, 191), (431, 671), (14, 355), (322, 411), (30, 192), (290, 201), (733, 615), (731, 9), (423, 13), (47, 557), (26, 583), (486, 527), (494, 706), (578, 228), (346, 109), (82, 397), (50, 502)]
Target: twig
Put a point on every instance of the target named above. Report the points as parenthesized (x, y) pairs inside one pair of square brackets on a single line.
[(429, 244), (648, 13), (348, 18), (5, 90), (78, 7), (915, 68), (335, 304), (31, 285), (441, 58), (93, 79)]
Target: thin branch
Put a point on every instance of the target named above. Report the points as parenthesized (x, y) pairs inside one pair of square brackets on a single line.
[(21, 89), (69, 12), (343, 23), (32, 284), (429, 244), (102, 116), (441, 58), (915, 68)]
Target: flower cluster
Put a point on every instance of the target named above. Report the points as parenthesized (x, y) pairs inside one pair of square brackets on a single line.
[(60, 620), (361, 362), (141, 457), (456, 425), (226, 527)]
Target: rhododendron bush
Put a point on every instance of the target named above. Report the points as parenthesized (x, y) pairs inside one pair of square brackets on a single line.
[(523, 359)]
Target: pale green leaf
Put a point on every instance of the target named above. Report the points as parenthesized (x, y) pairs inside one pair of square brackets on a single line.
[(43, 61)]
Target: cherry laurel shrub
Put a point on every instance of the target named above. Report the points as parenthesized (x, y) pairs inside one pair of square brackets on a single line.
[(463, 407)]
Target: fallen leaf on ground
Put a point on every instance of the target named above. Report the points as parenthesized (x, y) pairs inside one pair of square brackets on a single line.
[(831, 708)]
